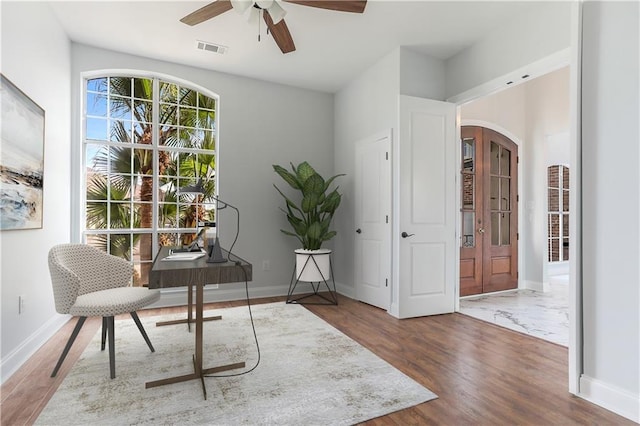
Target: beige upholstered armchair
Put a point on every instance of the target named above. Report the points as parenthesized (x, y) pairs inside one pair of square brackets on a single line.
[(89, 282)]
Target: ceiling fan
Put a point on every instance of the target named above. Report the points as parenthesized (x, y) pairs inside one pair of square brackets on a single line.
[(274, 16)]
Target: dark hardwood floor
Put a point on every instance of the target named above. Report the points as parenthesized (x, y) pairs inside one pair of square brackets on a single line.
[(482, 374)]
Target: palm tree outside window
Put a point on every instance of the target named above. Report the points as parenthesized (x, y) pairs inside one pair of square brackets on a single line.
[(145, 138)]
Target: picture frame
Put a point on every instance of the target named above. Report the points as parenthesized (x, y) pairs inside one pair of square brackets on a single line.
[(21, 159)]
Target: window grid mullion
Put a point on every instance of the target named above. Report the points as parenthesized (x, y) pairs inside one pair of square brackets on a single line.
[(155, 141), (115, 200)]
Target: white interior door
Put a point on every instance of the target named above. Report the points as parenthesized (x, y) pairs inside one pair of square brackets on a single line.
[(427, 223), (373, 221)]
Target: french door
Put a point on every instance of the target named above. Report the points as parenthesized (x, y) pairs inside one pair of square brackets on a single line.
[(489, 210)]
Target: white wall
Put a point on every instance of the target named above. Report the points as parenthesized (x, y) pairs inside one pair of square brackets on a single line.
[(365, 107), (36, 58), (547, 113), (526, 39), (421, 76), (505, 109), (558, 149), (610, 181), (369, 106), (261, 124)]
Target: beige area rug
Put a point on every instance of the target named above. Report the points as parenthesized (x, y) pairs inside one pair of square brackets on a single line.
[(309, 374)]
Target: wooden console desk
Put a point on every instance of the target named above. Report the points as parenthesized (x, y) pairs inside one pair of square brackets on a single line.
[(196, 273)]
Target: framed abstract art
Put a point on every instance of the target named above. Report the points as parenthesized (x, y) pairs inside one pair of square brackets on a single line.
[(21, 159)]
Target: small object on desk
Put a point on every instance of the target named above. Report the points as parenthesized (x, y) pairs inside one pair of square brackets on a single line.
[(184, 256), (214, 252), (194, 247), (187, 249)]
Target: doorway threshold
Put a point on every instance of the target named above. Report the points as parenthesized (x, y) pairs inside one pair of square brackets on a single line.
[(542, 315)]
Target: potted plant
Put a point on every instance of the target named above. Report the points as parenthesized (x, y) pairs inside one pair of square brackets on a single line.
[(310, 219)]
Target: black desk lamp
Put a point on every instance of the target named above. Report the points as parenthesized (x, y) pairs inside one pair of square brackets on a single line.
[(214, 251)]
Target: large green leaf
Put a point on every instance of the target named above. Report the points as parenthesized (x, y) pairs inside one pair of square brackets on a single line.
[(309, 202), (329, 235), (325, 224), (331, 203), (313, 185), (288, 177), (314, 231), (304, 171), (300, 227), (328, 182)]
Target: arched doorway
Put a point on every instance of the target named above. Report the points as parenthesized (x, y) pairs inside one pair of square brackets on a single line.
[(489, 209)]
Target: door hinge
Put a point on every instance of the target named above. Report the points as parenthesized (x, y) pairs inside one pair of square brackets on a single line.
[(386, 282), (386, 219), (518, 159), (518, 198), (386, 155), (518, 236)]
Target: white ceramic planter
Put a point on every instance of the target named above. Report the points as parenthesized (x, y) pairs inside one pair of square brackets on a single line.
[(317, 271)]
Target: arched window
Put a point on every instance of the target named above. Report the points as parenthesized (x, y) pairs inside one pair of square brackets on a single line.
[(558, 212), (144, 138)]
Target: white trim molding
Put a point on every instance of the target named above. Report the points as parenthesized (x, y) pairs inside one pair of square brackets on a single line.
[(541, 67), (230, 292), (536, 286), (612, 398), (16, 358)]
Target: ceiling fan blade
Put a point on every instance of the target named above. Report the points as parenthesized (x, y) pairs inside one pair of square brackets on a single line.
[(354, 6), (207, 12), (280, 33)]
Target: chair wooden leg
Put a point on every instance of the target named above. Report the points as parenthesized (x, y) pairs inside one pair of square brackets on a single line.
[(72, 339), (134, 315), (104, 333), (112, 352)]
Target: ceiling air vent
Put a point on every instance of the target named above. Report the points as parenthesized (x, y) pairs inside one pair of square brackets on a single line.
[(211, 47)]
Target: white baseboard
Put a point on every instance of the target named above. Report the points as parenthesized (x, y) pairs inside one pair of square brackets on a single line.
[(394, 310), (16, 358), (536, 286), (612, 398), (346, 290), (177, 296)]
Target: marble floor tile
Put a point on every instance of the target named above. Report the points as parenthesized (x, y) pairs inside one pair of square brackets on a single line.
[(543, 315)]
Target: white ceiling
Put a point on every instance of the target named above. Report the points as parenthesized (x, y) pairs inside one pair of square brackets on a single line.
[(332, 47)]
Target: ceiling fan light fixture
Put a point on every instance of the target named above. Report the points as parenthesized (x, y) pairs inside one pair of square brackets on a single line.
[(276, 12), (276, 26), (264, 4), (254, 15), (241, 6)]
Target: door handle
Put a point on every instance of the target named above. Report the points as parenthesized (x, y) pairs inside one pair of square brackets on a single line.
[(480, 230), (405, 235), (359, 231)]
